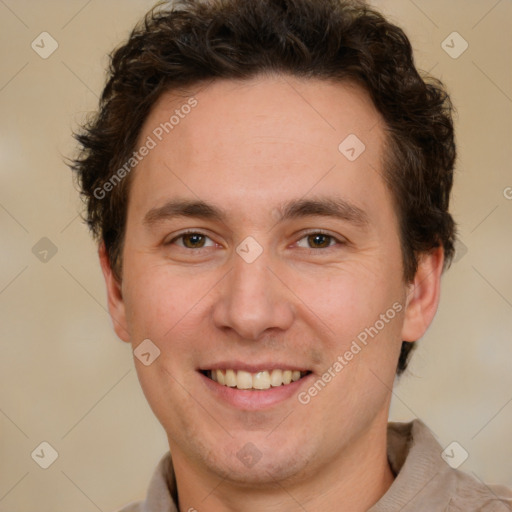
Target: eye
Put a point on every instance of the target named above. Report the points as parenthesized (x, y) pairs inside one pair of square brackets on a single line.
[(192, 240), (317, 240), (197, 240)]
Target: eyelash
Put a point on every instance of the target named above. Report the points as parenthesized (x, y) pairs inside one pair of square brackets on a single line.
[(310, 250)]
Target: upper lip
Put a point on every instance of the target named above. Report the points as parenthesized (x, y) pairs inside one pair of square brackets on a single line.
[(252, 367)]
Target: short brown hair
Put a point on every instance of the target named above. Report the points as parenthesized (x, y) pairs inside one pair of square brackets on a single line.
[(187, 42)]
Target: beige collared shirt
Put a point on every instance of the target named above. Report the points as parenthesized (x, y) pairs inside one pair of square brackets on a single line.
[(424, 481)]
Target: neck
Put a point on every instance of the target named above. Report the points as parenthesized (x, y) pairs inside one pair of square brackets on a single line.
[(354, 480)]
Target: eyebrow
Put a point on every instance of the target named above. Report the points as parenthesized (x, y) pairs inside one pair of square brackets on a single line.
[(335, 207)]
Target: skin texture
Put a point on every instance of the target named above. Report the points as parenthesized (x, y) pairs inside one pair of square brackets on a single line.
[(248, 147)]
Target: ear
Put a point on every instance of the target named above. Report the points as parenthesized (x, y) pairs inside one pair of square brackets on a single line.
[(116, 304), (423, 295)]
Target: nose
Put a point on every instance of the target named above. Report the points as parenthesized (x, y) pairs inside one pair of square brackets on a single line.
[(253, 300)]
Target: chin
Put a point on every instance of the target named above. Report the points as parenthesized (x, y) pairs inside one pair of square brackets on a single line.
[(251, 467)]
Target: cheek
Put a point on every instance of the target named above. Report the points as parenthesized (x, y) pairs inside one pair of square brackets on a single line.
[(157, 299), (345, 301)]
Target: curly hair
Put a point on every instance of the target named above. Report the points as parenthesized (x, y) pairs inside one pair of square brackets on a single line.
[(183, 43)]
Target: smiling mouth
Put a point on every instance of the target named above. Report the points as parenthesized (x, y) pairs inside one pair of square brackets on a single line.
[(258, 381)]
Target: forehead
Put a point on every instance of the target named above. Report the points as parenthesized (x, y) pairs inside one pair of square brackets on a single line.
[(260, 140), (266, 106)]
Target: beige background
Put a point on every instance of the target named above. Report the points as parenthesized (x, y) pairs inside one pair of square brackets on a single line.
[(67, 380)]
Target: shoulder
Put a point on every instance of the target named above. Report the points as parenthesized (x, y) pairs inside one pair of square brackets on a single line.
[(425, 481), (472, 494)]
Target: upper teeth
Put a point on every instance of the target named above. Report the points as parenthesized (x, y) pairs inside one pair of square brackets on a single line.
[(261, 380)]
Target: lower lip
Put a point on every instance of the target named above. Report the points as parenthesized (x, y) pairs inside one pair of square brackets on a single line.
[(252, 400)]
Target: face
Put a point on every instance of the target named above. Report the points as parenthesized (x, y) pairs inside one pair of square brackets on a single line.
[(262, 258)]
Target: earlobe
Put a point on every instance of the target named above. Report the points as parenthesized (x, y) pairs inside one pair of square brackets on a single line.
[(116, 304), (423, 295)]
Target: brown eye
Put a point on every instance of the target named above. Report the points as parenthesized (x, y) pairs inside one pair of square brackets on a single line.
[(319, 240), (192, 240), (315, 241)]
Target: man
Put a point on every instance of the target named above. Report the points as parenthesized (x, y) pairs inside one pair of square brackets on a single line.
[(269, 184)]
